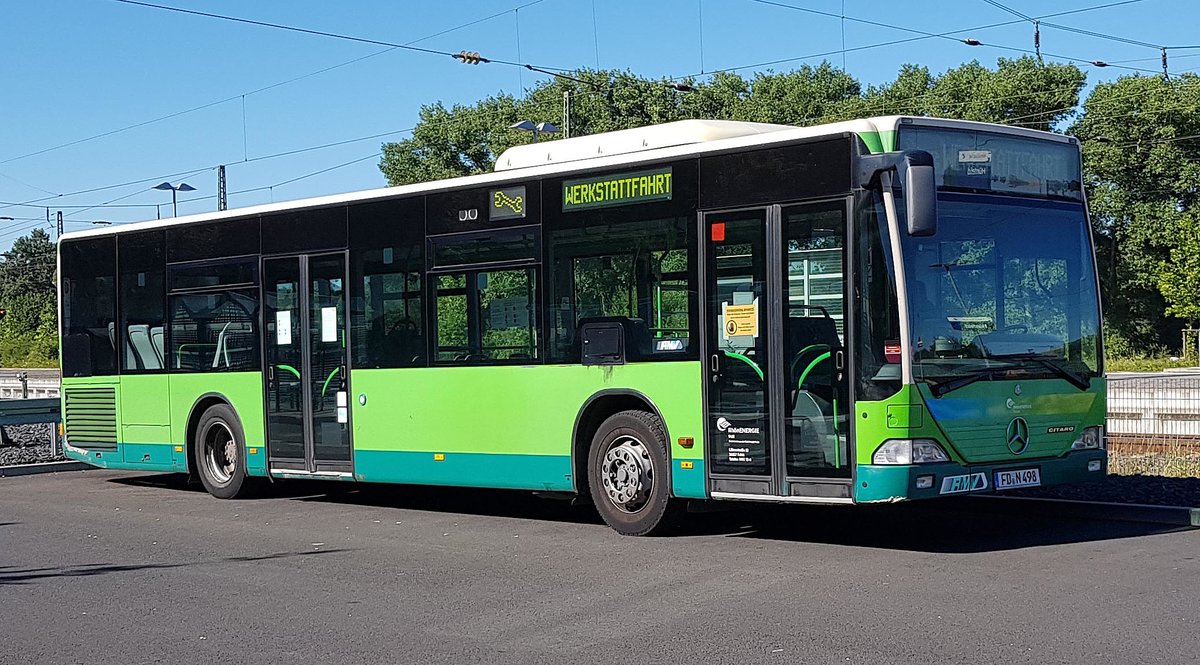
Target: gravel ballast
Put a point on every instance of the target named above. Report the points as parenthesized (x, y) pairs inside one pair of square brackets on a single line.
[(26, 444)]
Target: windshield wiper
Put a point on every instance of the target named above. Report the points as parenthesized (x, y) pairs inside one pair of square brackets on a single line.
[(1049, 363), (942, 387)]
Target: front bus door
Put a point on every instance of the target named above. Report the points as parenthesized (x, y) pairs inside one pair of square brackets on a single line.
[(775, 343), (304, 344)]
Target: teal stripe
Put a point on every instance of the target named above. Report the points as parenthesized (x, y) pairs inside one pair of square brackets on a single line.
[(532, 472), (688, 483), (152, 457)]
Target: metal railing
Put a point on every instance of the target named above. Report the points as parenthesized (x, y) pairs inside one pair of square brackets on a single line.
[(1154, 423), (21, 413), (28, 383)]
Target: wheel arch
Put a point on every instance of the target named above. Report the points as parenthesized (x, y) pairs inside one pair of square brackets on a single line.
[(203, 403), (598, 408)]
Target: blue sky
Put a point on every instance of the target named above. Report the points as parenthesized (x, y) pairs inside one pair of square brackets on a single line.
[(78, 68)]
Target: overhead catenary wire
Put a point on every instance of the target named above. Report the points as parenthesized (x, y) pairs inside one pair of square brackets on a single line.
[(923, 34), (841, 17), (887, 105), (546, 69)]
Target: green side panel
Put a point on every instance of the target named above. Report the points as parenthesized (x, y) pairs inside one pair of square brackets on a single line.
[(146, 400), (146, 422), (93, 456), (901, 416), (888, 138), (538, 472), (243, 390), (494, 413), (877, 142), (152, 417)]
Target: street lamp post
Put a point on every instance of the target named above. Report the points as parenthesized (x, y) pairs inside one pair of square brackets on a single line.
[(540, 128), (182, 187)]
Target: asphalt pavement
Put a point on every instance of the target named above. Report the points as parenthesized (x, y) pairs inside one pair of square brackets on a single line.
[(113, 567)]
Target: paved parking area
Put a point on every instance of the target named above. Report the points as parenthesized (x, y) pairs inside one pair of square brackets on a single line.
[(113, 567)]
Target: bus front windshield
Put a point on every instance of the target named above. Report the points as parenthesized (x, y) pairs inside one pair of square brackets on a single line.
[(1006, 288)]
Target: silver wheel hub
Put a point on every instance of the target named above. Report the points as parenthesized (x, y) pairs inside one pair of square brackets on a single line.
[(221, 453), (627, 473)]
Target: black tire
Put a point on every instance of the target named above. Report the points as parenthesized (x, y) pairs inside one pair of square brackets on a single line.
[(637, 440), (220, 454)]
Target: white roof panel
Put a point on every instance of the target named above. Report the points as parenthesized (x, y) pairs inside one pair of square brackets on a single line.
[(625, 141)]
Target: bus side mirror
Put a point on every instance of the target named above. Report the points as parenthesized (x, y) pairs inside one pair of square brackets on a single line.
[(920, 193)]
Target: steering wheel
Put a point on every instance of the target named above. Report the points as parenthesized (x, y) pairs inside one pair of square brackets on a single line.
[(1024, 328)]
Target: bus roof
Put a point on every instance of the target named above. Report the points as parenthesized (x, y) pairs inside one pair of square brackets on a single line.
[(674, 140)]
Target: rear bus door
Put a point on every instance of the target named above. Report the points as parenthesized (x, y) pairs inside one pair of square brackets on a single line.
[(305, 350)]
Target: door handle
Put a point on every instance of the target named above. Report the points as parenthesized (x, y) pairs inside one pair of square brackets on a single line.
[(839, 360), (714, 364)]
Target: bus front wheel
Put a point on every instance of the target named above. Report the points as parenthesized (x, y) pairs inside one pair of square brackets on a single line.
[(220, 454), (627, 469)]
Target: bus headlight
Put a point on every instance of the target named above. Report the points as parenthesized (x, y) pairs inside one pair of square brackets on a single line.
[(1091, 438), (909, 451)]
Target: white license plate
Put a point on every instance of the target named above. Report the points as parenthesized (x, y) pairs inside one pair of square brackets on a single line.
[(1018, 478)]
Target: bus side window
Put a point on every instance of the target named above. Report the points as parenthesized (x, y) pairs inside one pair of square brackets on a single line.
[(387, 263), (89, 307), (487, 316)]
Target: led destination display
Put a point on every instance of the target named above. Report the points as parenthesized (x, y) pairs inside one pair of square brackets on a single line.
[(615, 190)]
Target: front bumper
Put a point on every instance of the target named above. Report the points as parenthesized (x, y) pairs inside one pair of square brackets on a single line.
[(897, 483)]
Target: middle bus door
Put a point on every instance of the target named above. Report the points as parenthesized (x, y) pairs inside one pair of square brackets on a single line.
[(306, 372), (776, 365)]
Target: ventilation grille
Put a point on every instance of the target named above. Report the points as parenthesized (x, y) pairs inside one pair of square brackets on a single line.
[(90, 417)]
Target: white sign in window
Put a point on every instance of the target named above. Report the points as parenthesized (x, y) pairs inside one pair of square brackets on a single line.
[(283, 328), (329, 324)]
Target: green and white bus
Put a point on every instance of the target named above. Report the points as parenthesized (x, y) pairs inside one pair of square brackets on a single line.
[(869, 311)]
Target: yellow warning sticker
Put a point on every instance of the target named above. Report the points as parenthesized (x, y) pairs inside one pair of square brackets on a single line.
[(741, 320)]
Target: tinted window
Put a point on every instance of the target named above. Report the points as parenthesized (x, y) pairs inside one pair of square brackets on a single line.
[(212, 240), (632, 261), (775, 174), (387, 322), (878, 359), (214, 332), (89, 330), (487, 316), (210, 274), (518, 244), (142, 258), (304, 230), (969, 159)]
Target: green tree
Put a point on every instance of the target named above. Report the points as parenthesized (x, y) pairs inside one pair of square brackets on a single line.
[(1142, 172), (466, 139), (29, 331), (1179, 277), (1018, 91)]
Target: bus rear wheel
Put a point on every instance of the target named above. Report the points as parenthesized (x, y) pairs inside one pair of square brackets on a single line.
[(220, 454), (627, 474)]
